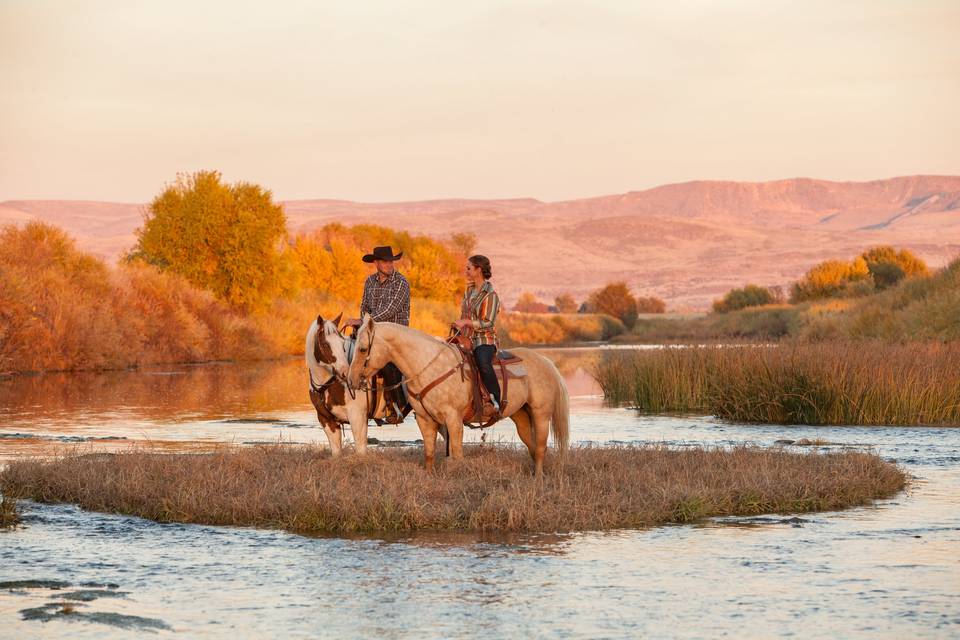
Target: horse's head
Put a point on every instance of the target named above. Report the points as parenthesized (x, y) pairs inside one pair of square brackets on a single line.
[(327, 345), (369, 356)]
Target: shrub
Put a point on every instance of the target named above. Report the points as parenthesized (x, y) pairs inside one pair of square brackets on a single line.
[(832, 278), (615, 300), (888, 266), (650, 304), (566, 304), (749, 296), (528, 303)]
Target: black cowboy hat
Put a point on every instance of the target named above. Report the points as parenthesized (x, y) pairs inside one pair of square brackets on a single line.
[(382, 253)]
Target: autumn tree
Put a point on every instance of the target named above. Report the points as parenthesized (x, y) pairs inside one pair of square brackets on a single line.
[(650, 304), (833, 278), (566, 304), (221, 237), (888, 266), (528, 303), (465, 243), (616, 300)]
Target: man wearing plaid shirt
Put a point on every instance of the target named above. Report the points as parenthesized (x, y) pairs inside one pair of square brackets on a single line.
[(386, 297)]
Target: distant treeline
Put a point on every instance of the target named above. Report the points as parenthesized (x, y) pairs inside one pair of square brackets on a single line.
[(215, 275), (835, 300)]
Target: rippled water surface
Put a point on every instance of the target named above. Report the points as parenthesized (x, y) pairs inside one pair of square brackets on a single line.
[(889, 570)]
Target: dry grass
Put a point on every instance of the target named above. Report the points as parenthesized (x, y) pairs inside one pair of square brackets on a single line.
[(8, 512), (869, 382), (302, 489)]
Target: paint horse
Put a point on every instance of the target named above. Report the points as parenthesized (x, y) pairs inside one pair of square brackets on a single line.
[(325, 353), (440, 389)]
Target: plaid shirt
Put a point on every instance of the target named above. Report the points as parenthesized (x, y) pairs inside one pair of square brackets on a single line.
[(387, 301), (481, 307)]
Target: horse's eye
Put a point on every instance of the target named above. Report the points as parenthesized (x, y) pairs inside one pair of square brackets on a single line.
[(363, 349)]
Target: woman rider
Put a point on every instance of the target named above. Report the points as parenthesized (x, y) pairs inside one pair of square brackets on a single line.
[(478, 311)]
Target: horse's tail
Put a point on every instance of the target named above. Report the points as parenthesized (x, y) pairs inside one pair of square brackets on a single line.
[(560, 420)]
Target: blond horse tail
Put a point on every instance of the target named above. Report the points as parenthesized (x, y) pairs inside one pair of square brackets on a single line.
[(560, 421)]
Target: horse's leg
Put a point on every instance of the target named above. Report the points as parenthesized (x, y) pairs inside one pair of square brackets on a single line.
[(541, 431), (357, 413), (334, 436), (454, 424), (428, 429), (521, 418)]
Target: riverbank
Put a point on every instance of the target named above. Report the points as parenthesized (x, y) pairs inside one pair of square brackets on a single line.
[(302, 489)]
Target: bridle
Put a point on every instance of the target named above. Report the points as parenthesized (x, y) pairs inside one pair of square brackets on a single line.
[(334, 376), (461, 363)]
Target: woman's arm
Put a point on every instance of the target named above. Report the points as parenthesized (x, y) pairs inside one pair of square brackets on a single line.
[(487, 314)]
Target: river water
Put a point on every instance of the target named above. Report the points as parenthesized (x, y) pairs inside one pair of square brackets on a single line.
[(888, 570)]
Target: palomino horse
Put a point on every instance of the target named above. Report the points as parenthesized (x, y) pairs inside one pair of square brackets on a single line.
[(536, 402), (326, 355)]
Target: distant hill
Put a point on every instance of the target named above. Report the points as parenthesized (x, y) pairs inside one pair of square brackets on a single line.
[(687, 243)]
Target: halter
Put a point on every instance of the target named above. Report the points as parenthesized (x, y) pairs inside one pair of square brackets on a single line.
[(328, 368)]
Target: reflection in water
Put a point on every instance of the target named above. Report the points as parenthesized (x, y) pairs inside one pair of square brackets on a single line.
[(195, 407), (888, 570)]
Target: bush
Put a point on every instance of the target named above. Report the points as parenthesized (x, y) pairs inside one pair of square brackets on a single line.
[(833, 278), (888, 266), (528, 303), (651, 304), (615, 300), (749, 296), (557, 328), (63, 309), (566, 304)]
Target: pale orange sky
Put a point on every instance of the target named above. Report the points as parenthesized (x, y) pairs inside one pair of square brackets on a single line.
[(387, 100)]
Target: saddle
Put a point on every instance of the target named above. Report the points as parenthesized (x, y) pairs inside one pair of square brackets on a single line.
[(479, 412)]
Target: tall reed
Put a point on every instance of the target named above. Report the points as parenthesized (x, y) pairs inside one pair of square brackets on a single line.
[(858, 383)]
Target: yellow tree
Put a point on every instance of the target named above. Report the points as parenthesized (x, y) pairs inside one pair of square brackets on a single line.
[(888, 266), (224, 238)]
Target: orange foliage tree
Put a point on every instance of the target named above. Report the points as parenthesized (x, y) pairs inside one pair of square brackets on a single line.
[(220, 237), (566, 304), (616, 300), (651, 304), (833, 278), (888, 266), (528, 303), (330, 260)]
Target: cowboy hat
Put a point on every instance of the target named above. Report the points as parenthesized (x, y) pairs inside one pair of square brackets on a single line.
[(382, 253)]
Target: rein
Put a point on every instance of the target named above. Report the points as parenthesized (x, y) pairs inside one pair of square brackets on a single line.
[(405, 380)]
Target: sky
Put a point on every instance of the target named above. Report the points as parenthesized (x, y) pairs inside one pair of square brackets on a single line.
[(380, 100)]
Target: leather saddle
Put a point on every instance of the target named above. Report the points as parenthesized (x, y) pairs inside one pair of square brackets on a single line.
[(479, 412)]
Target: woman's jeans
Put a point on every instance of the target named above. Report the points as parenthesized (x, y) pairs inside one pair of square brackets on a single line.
[(484, 355)]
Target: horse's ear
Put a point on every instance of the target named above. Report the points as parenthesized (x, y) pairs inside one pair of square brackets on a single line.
[(319, 319), (368, 321), (336, 321)]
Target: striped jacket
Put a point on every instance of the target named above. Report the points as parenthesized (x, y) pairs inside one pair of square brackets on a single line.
[(481, 306)]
